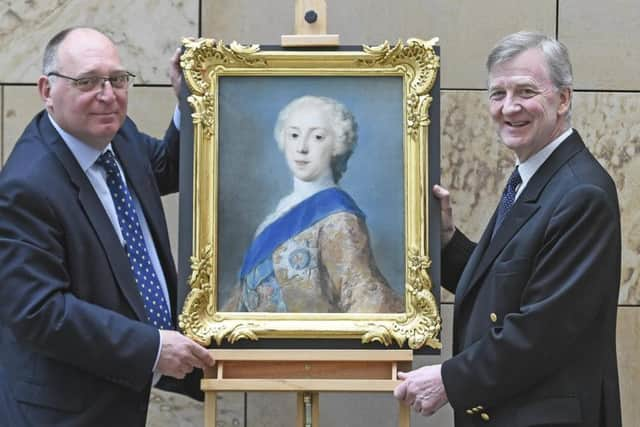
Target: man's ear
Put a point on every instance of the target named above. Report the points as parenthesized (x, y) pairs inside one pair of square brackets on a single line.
[(44, 89), (566, 94)]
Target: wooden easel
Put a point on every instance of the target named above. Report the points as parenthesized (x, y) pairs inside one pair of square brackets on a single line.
[(310, 26), (306, 372)]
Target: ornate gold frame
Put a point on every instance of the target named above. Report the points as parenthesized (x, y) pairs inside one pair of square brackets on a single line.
[(417, 63)]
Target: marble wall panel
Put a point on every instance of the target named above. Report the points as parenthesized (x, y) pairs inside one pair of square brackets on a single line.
[(174, 410), (467, 29), (608, 122), (628, 335), (475, 165), (147, 32), (20, 104), (152, 108), (171, 409), (602, 37), (272, 409)]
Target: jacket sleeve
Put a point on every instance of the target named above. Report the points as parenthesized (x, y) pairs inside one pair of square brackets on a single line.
[(454, 258), (163, 154), (573, 282)]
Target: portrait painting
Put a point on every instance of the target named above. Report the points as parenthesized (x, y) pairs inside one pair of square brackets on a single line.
[(310, 210), (311, 194)]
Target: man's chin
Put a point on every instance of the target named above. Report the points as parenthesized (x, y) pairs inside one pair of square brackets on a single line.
[(102, 137), (107, 127), (513, 141)]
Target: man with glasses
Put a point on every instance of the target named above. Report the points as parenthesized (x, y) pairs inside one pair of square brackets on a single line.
[(87, 282)]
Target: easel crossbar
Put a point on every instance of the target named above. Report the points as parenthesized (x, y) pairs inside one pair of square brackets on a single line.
[(312, 355), (299, 385)]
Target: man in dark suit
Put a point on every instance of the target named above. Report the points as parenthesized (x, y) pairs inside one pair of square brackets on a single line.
[(536, 297), (87, 310)]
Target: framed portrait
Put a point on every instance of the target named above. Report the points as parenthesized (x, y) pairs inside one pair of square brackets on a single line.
[(308, 195)]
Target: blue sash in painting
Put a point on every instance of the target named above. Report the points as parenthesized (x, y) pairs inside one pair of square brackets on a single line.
[(257, 268)]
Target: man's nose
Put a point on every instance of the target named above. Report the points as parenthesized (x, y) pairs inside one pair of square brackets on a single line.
[(106, 92), (303, 145), (511, 104)]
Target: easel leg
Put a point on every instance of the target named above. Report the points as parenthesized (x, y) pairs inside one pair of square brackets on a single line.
[(315, 409), (210, 409), (308, 413), (404, 416), (300, 410)]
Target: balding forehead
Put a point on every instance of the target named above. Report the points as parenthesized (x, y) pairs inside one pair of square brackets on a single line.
[(85, 50), (88, 35)]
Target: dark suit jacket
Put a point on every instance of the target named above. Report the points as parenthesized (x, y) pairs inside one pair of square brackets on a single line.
[(535, 308), (74, 348)]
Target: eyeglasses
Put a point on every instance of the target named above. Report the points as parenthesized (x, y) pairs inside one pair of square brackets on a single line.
[(91, 83)]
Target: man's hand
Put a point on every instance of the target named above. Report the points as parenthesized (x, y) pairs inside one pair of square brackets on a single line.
[(447, 227), (179, 355), (422, 389), (175, 72)]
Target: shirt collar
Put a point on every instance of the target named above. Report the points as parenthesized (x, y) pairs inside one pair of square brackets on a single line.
[(529, 167), (85, 154)]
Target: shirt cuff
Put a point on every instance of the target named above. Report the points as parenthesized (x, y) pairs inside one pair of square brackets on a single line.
[(157, 375), (176, 117)]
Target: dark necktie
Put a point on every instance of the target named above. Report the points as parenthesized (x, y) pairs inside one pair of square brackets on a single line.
[(144, 274), (508, 198)]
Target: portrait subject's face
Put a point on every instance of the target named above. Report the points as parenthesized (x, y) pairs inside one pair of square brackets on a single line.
[(528, 110), (309, 143)]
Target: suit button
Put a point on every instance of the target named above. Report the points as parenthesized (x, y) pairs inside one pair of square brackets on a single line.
[(493, 317), (484, 416), (469, 412)]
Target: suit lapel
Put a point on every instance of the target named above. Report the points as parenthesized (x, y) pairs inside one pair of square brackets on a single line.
[(98, 218), (524, 208), (471, 266)]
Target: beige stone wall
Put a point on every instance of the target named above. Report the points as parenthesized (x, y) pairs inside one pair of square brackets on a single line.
[(602, 38)]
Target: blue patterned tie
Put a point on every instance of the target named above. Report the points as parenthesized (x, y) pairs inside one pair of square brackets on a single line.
[(144, 274), (508, 198)]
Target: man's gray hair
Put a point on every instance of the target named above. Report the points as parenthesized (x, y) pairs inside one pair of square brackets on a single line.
[(50, 57), (341, 121), (554, 52)]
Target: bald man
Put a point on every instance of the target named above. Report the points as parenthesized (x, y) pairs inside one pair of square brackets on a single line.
[(87, 281)]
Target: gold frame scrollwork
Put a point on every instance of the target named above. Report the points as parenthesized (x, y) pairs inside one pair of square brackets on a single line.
[(416, 61)]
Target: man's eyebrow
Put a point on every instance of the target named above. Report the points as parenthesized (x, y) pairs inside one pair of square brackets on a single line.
[(516, 84)]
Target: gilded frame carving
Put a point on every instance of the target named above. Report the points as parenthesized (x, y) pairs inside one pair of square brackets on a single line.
[(416, 62)]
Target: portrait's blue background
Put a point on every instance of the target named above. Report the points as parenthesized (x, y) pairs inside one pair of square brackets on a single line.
[(253, 174)]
